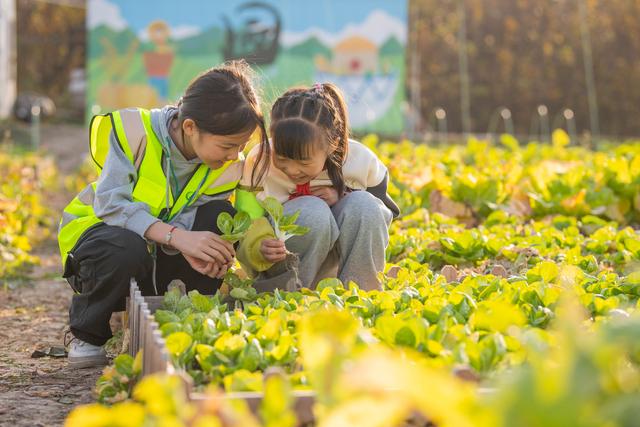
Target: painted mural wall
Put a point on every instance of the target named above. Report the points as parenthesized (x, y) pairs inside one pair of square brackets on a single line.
[(144, 53)]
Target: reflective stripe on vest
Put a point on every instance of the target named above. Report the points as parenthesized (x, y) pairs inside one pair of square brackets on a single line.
[(135, 136)]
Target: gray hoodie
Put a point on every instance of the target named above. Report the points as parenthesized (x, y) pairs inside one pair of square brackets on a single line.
[(113, 202)]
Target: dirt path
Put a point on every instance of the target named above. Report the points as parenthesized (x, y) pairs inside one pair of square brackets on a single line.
[(40, 392)]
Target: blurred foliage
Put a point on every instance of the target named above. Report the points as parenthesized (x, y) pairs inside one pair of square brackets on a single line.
[(25, 218), (592, 379), (523, 53), (51, 43)]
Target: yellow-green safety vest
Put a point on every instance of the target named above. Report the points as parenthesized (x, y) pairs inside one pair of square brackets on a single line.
[(133, 132)]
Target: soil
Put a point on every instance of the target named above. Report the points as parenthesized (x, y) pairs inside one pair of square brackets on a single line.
[(33, 316)]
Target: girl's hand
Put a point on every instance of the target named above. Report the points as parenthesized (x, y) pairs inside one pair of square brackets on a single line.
[(204, 245), (328, 194), (202, 267), (210, 269), (273, 250)]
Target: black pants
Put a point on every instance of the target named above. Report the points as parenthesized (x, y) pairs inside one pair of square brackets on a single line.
[(104, 260)]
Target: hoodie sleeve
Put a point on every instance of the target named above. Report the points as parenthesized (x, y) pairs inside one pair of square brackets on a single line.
[(113, 201)]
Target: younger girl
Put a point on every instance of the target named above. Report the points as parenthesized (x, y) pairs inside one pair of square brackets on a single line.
[(338, 185), (165, 175)]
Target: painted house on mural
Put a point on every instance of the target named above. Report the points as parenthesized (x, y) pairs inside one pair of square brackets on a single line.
[(355, 55)]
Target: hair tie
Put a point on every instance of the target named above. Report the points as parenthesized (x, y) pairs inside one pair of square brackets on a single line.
[(318, 87)]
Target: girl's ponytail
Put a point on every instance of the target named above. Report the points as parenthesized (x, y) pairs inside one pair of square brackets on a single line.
[(340, 134)]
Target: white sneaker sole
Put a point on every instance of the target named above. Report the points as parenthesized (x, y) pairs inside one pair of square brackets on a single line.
[(87, 361)]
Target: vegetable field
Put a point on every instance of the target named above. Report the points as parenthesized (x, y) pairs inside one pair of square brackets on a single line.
[(510, 298)]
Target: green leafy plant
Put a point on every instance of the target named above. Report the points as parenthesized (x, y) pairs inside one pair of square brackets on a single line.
[(240, 289), (233, 228), (536, 240), (116, 382), (284, 225)]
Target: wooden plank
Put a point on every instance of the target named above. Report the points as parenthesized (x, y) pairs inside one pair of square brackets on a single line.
[(154, 303), (136, 296), (159, 345), (302, 406), (147, 352), (133, 327)]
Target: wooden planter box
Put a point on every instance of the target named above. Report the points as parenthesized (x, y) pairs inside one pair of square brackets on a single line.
[(145, 335)]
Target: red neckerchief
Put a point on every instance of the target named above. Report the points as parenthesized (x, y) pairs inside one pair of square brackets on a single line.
[(301, 190)]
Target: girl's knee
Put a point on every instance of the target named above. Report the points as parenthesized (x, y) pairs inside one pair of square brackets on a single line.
[(314, 213), (362, 207)]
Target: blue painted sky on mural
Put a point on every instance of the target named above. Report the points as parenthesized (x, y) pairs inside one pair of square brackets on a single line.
[(297, 15)]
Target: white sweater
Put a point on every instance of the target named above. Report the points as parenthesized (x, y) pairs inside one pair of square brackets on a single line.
[(362, 170)]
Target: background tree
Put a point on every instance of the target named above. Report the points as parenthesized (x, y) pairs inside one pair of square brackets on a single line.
[(51, 43), (523, 53)]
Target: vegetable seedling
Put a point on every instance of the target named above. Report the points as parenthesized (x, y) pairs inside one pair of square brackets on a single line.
[(284, 225), (241, 289), (233, 228)]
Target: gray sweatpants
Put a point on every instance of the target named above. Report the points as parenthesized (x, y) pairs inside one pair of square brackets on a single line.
[(347, 241)]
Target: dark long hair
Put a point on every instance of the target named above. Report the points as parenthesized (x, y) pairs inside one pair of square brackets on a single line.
[(302, 117), (223, 101)]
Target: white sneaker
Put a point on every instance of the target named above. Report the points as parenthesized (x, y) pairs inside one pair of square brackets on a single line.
[(84, 355)]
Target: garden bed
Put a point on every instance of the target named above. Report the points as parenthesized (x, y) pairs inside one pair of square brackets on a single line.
[(145, 335)]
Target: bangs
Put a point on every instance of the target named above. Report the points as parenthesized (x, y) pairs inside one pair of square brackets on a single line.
[(294, 138)]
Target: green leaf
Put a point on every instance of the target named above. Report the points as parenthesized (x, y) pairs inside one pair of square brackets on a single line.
[(178, 343), (225, 223), (171, 300), (232, 279), (165, 316), (232, 238), (124, 364), (295, 230), (252, 356), (241, 222), (230, 345), (239, 293), (169, 328), (330, 282), (548, 271), (184, 303), (205, 356), (290, 219), (243, 380), (282, 349), (406, 337), (633, 245), (200, 302), (273, 207)]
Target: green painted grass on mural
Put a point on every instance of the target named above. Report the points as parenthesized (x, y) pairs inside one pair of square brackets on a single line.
[(288, 70)]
